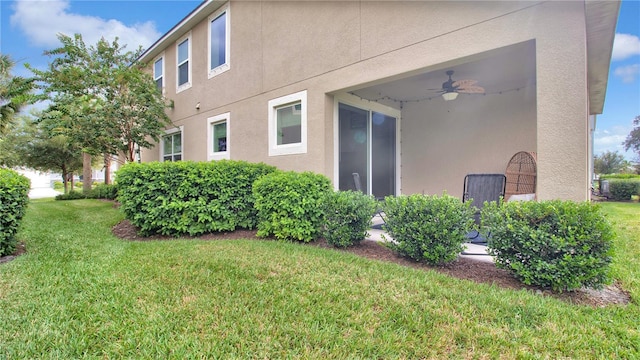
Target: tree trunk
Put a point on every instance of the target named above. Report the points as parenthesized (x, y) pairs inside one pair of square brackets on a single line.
[(86, 173), (71, 181), (65, 180), (107, 169)]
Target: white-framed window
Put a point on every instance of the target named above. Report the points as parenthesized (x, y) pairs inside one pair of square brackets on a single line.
[(219, 30), (288, 124), (171, 145), (183, 63), (218, 132), (158, 73)]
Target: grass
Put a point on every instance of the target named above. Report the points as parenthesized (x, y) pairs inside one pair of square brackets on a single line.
[(79, 292)]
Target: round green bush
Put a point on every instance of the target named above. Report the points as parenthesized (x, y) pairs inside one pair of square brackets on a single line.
[(562, 245), (348, 217), (14, 196), (289, 205), (428, 228), (623, 189)]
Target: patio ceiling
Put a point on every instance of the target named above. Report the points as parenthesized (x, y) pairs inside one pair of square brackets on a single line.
[(501, 70)]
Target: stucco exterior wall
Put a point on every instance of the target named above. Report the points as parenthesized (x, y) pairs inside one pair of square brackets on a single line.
[(279, 48), (444, 141)]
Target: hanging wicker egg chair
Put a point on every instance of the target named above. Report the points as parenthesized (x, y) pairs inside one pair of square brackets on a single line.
[(521, 174)]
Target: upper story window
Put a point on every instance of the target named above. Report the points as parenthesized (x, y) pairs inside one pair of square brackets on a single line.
[(219, 42), (288, 124), (184, 64), (171, 145), (218, 136), (158, 73)]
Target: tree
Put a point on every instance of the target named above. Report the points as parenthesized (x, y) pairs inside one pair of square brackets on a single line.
[(608, 163), (106, 100), (36, 145), (633, 139), (14, 92)]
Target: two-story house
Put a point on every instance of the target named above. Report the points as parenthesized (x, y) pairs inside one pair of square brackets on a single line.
[(339, 87)]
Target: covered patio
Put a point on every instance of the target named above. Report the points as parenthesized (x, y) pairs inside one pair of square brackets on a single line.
[(402, 137)]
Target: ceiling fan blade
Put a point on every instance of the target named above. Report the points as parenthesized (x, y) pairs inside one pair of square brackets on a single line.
[(464, 83), (471, 90)]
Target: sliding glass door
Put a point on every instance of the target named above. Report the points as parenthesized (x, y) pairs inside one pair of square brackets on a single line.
[(367, 147)]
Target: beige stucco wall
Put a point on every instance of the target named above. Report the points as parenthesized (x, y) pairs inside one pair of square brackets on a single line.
[(279, 48), (444, 141)]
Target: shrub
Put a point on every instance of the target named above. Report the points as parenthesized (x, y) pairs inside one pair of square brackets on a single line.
[(428, 228), (14, 196), (177, 198), (71, 195), (560, 245), (289, 205), (348, 217), (623, 189), (104, 191), (620, 176), (58, 185)]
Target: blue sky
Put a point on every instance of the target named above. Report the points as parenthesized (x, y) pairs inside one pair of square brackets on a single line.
[(28, 27)]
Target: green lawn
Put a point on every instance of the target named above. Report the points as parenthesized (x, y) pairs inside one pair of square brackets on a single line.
[(79, 292)]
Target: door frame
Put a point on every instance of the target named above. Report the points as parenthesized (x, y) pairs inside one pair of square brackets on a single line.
[(369, 106)]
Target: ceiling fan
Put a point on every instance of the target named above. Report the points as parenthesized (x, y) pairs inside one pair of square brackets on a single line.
[(451, 88)]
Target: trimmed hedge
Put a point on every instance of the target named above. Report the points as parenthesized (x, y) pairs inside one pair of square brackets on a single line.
[(348, 216), (104, 191), (428, 228), (289, 205), (177, 198), (71, 195), (560, 245), (623, 189), (14, 196)]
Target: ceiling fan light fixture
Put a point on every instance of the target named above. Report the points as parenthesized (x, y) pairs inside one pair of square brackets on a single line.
[(448, 96)]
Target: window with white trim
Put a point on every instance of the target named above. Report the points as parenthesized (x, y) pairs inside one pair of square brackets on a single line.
[(171, 145), (218, 137), (288, 124), (219, 42), (183, 62), (158, 73)]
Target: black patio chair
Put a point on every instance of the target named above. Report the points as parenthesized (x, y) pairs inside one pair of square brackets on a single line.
[(479, 188)]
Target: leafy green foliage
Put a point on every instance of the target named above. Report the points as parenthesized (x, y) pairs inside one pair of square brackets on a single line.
[(83, 293), (609, 162), (71, 195), (38, 146), (101, 97), (620, 176), (348, 217), (14, 92), (14, 196), (104, 191), (633, 139), (428, 228), (175, 198), (623, 189), (289, 205), (560, 245)]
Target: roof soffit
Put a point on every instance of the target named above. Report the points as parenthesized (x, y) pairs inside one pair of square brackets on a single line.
[(601, 20)]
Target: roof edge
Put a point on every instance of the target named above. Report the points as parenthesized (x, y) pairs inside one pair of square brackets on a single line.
[(198, 14), (601, 21)]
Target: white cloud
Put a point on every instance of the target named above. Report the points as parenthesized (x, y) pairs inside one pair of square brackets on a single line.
[(611, 139), (627, 73), (42, 20), (625, 46)]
